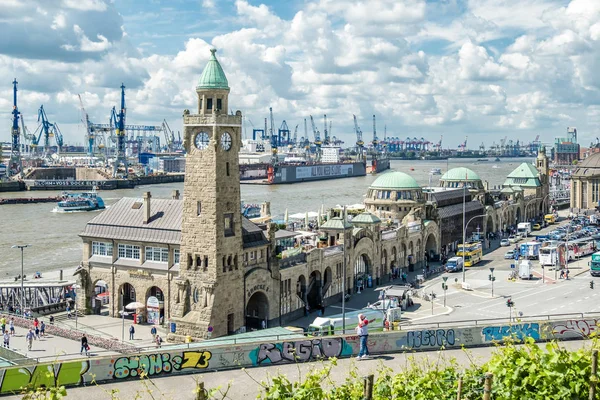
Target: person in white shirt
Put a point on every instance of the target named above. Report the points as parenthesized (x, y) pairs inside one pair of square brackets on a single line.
[(362, 331), (6, 339)]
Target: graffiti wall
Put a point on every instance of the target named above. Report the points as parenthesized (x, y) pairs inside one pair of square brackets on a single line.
[(199, 358)]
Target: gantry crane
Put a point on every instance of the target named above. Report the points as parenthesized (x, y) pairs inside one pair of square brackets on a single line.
[(15, 165), (360, 144), (48, 130)]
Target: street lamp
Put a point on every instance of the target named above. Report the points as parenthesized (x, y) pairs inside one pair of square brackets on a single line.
[(464, 241), (444, 288), (344, 275), (22, 247), (492, 278), (75, 287)]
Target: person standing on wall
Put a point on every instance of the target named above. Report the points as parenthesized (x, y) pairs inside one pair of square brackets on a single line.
[(362, 331)]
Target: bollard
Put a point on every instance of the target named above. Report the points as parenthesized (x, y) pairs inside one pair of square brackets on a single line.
[(200, 391), (368, 387), (487, 386), (594, 376), (459, 389)]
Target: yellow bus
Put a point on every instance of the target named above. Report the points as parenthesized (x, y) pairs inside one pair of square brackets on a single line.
[(473, 253), (550, 218)]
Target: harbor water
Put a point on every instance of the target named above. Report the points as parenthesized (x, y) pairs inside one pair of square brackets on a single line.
[(56, 244)]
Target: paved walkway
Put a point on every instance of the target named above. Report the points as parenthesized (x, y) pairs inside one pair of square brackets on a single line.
[(245, 383)]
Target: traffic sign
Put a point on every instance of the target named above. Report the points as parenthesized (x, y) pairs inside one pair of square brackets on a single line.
[(210, 328), (445, 278), (492, 270), (512, 266)]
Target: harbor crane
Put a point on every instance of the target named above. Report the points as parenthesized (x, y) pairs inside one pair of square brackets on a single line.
[(48, 130), (463, 145), (375, 141), (89, 135), (283, 135), (317, 141), (294, 141), (121, 158), (15, 165), (169, 136), (360, 144), (326, 139)]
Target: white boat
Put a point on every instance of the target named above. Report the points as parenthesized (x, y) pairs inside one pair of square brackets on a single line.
[(495, 166), (435, 171)]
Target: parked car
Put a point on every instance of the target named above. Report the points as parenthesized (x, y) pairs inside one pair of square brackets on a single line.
[(514, 238), (504, 242), (509, 255), (537, 227)]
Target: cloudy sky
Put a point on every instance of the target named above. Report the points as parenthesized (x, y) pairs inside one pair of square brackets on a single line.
[(485, 69)]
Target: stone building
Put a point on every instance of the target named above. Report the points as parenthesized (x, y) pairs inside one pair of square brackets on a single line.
[(585, 184), (215, 273)]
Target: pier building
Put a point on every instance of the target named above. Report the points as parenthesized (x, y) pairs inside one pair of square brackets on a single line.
[(214, 272)]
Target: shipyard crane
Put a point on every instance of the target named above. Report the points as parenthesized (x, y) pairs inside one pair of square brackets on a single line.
[(271, 129), (48, 130), (438, 145), (294, 140), (463, 145), (317, 141), (15, 165), (360, 144), (282, 132), (375, 141), (121, 157), (326, 139), (169, 136), (89, 135)]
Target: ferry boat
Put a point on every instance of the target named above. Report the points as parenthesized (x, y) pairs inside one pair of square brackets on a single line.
[(86, 201), (250, 210), (435, 171)]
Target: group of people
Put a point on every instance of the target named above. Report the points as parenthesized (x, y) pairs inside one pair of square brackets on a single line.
[(38, 330), (7, 333)]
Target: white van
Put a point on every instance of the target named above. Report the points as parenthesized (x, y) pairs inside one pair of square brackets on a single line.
[(524, 229), (525, 270)]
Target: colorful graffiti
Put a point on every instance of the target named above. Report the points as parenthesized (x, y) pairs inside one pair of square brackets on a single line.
[(579, 327), (302, 350), (157, 364), (429, 338), (50, 375), (518, 331)]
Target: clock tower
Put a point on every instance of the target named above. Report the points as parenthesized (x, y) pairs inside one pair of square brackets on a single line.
[(210, 296)]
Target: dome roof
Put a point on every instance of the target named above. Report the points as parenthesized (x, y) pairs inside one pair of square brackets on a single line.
[(395, 180), (213, 76), (460, 174), (592, 161)]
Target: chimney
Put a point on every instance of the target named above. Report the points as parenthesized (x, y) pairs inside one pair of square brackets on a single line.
[(175, 194), (147, 214)]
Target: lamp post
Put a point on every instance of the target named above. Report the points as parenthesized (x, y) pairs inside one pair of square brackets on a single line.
[(464, 240), (444, 288), (75, 287), (492, 278), (344, 275), (22, 247)]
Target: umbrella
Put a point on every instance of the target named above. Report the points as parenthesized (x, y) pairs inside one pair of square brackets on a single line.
[(134, 306), (286, 217)]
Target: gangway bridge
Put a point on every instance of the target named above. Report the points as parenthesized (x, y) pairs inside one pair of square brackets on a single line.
[(34, 293)]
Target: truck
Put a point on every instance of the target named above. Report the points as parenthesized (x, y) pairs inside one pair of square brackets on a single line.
[(524, 229), (454, 264), (334, 325), (525, 270), (530, 250), (595, 264)]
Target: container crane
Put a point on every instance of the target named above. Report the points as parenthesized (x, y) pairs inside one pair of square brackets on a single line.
[(15, 165), (317, 142), (360, 144), (121, 157)]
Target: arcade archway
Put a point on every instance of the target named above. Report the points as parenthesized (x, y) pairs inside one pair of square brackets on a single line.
[(257, 311), (362, 269), (313, 296)]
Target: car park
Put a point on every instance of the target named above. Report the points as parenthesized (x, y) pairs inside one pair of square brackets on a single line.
[(504, 242)]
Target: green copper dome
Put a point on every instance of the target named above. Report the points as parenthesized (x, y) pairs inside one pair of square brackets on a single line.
[(213, 76), (366, 218), (395, 180), (460, 174)]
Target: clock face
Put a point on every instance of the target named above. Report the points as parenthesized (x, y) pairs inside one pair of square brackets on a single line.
[(201, 140), (226, 141)]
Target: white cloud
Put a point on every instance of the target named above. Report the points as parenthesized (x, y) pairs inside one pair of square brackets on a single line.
[(85, 5), (210, 4)]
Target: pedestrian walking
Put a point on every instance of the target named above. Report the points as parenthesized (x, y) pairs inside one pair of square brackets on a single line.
[(29, 339), (263, 324), (68, 311), (11, 325), (567, 274), (52, 320), (36, 323), (37, 332), (42, 328), (84, 345), (153, 332), (131, 332), (6, 340), (362, 330), (158, 341)]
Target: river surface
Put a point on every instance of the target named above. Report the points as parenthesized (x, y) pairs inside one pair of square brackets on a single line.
[(56, 244)]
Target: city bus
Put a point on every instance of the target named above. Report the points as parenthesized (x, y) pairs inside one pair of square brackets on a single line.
[(595, 264), (473, 253), (553, 255), (581, 247)]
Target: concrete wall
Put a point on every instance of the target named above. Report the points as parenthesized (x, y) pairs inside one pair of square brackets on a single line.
[(198, 358)]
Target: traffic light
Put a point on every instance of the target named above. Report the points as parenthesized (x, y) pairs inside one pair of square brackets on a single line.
[(510, 303), (491, 278), (591, 284), (444, 286)]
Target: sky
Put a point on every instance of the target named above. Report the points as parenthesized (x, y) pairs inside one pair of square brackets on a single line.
[(482, 69)]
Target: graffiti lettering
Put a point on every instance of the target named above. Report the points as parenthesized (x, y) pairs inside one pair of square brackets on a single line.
[(302, 350), (583, 327), (430, 338), (519, 331), (157, 364), (66, 373)]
